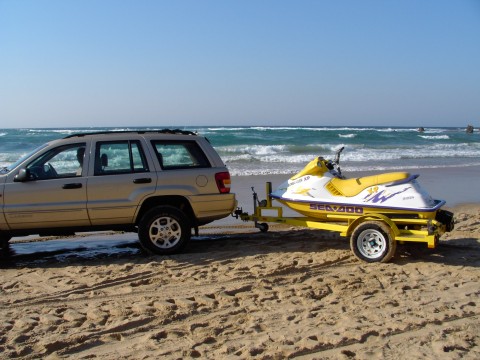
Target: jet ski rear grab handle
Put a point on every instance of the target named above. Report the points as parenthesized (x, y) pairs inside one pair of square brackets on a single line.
[(402, 229)]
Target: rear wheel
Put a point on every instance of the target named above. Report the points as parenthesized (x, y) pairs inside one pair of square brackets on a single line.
[(372, 241), (164, 230), (4, 239), (4, 247)]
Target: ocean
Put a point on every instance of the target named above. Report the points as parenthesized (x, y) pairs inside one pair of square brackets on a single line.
[(264, 150)]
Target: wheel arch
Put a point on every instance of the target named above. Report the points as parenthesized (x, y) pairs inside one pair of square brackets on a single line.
[(177, 201)]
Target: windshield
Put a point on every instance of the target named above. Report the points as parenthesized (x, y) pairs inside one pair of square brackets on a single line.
[(10, 167)]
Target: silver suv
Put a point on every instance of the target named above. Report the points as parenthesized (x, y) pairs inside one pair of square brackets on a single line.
[(160, 184)]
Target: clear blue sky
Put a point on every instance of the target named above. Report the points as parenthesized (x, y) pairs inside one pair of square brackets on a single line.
[(173, 63)]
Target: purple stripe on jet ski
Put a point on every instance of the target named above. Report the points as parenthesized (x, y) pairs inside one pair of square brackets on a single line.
[(404, 181), (438, 205)]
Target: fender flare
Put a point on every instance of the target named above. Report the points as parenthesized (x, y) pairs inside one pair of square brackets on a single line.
[(369, 217)]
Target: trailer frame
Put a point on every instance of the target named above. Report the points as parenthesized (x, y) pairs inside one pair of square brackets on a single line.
[(399, 229)]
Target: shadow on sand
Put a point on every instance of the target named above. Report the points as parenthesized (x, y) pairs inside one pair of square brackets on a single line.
[(125, 248)]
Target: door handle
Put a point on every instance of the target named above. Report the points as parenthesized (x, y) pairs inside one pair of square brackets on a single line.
[(142, 181), (72, 186)]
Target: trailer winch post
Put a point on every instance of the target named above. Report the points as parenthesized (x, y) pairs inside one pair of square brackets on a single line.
[(268, 191)]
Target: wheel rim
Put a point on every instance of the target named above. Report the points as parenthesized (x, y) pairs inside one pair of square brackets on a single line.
[(371, 244), (165, 232)]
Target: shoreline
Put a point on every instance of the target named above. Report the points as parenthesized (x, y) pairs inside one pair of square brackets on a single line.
[(459, 187)]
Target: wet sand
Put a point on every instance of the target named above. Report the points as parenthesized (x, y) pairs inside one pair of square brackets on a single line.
[(241, 294)]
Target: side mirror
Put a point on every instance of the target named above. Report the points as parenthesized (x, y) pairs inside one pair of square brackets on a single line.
[(22, 176)]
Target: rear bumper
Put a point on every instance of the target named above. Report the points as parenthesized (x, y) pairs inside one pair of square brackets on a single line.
[(212, 207)]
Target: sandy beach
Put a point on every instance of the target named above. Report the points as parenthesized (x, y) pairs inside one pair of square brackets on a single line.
[(121, 115), (236, 293)]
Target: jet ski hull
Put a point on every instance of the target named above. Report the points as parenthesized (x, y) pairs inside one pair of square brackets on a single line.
[(320, 196), (322, 210)]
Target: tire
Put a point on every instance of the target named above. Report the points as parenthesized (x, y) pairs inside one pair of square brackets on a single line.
[(4, 239), (263, 227), (164, 230), (5, 251), (372, 241)]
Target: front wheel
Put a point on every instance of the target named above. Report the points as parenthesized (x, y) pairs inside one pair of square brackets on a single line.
[(164, 230), (372, 241)]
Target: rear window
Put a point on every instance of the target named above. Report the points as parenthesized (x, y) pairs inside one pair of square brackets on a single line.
[(179, 155), (119, 157)]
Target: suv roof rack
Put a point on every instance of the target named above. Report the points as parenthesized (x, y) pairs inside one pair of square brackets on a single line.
[(163, 131)]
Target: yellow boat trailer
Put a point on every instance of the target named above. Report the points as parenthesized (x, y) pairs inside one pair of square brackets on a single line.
[(373, 237)]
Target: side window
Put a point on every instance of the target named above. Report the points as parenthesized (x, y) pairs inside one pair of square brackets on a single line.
[(138, 158), (179, 155), (61, 162), (119, 157)]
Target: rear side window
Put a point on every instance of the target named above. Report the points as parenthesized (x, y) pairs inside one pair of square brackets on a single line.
[(119, 157), (179, 155)]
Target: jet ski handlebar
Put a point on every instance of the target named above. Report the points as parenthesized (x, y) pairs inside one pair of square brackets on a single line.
[(337, 155), (334, 166)]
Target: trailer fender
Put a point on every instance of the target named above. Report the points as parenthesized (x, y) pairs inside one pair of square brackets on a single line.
[(352, 226)]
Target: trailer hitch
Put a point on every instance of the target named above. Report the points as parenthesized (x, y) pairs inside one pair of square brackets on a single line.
[(257, 206)]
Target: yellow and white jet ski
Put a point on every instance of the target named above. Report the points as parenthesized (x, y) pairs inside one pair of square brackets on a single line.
[(320, 190)]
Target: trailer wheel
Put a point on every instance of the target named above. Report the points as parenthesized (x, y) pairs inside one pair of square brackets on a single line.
[(372, 241), (263, 227)]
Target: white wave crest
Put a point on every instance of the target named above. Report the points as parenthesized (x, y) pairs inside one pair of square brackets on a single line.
[(253, 149), (348, 136), (435, 137), (280, 154)]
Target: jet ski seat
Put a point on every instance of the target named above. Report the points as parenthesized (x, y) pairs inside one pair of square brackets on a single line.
[(352, 187)]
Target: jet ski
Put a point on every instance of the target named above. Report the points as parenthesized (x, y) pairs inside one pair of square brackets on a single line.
[(320, 190)]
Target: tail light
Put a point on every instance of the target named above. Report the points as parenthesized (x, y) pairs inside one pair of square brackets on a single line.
[(223, 182)]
